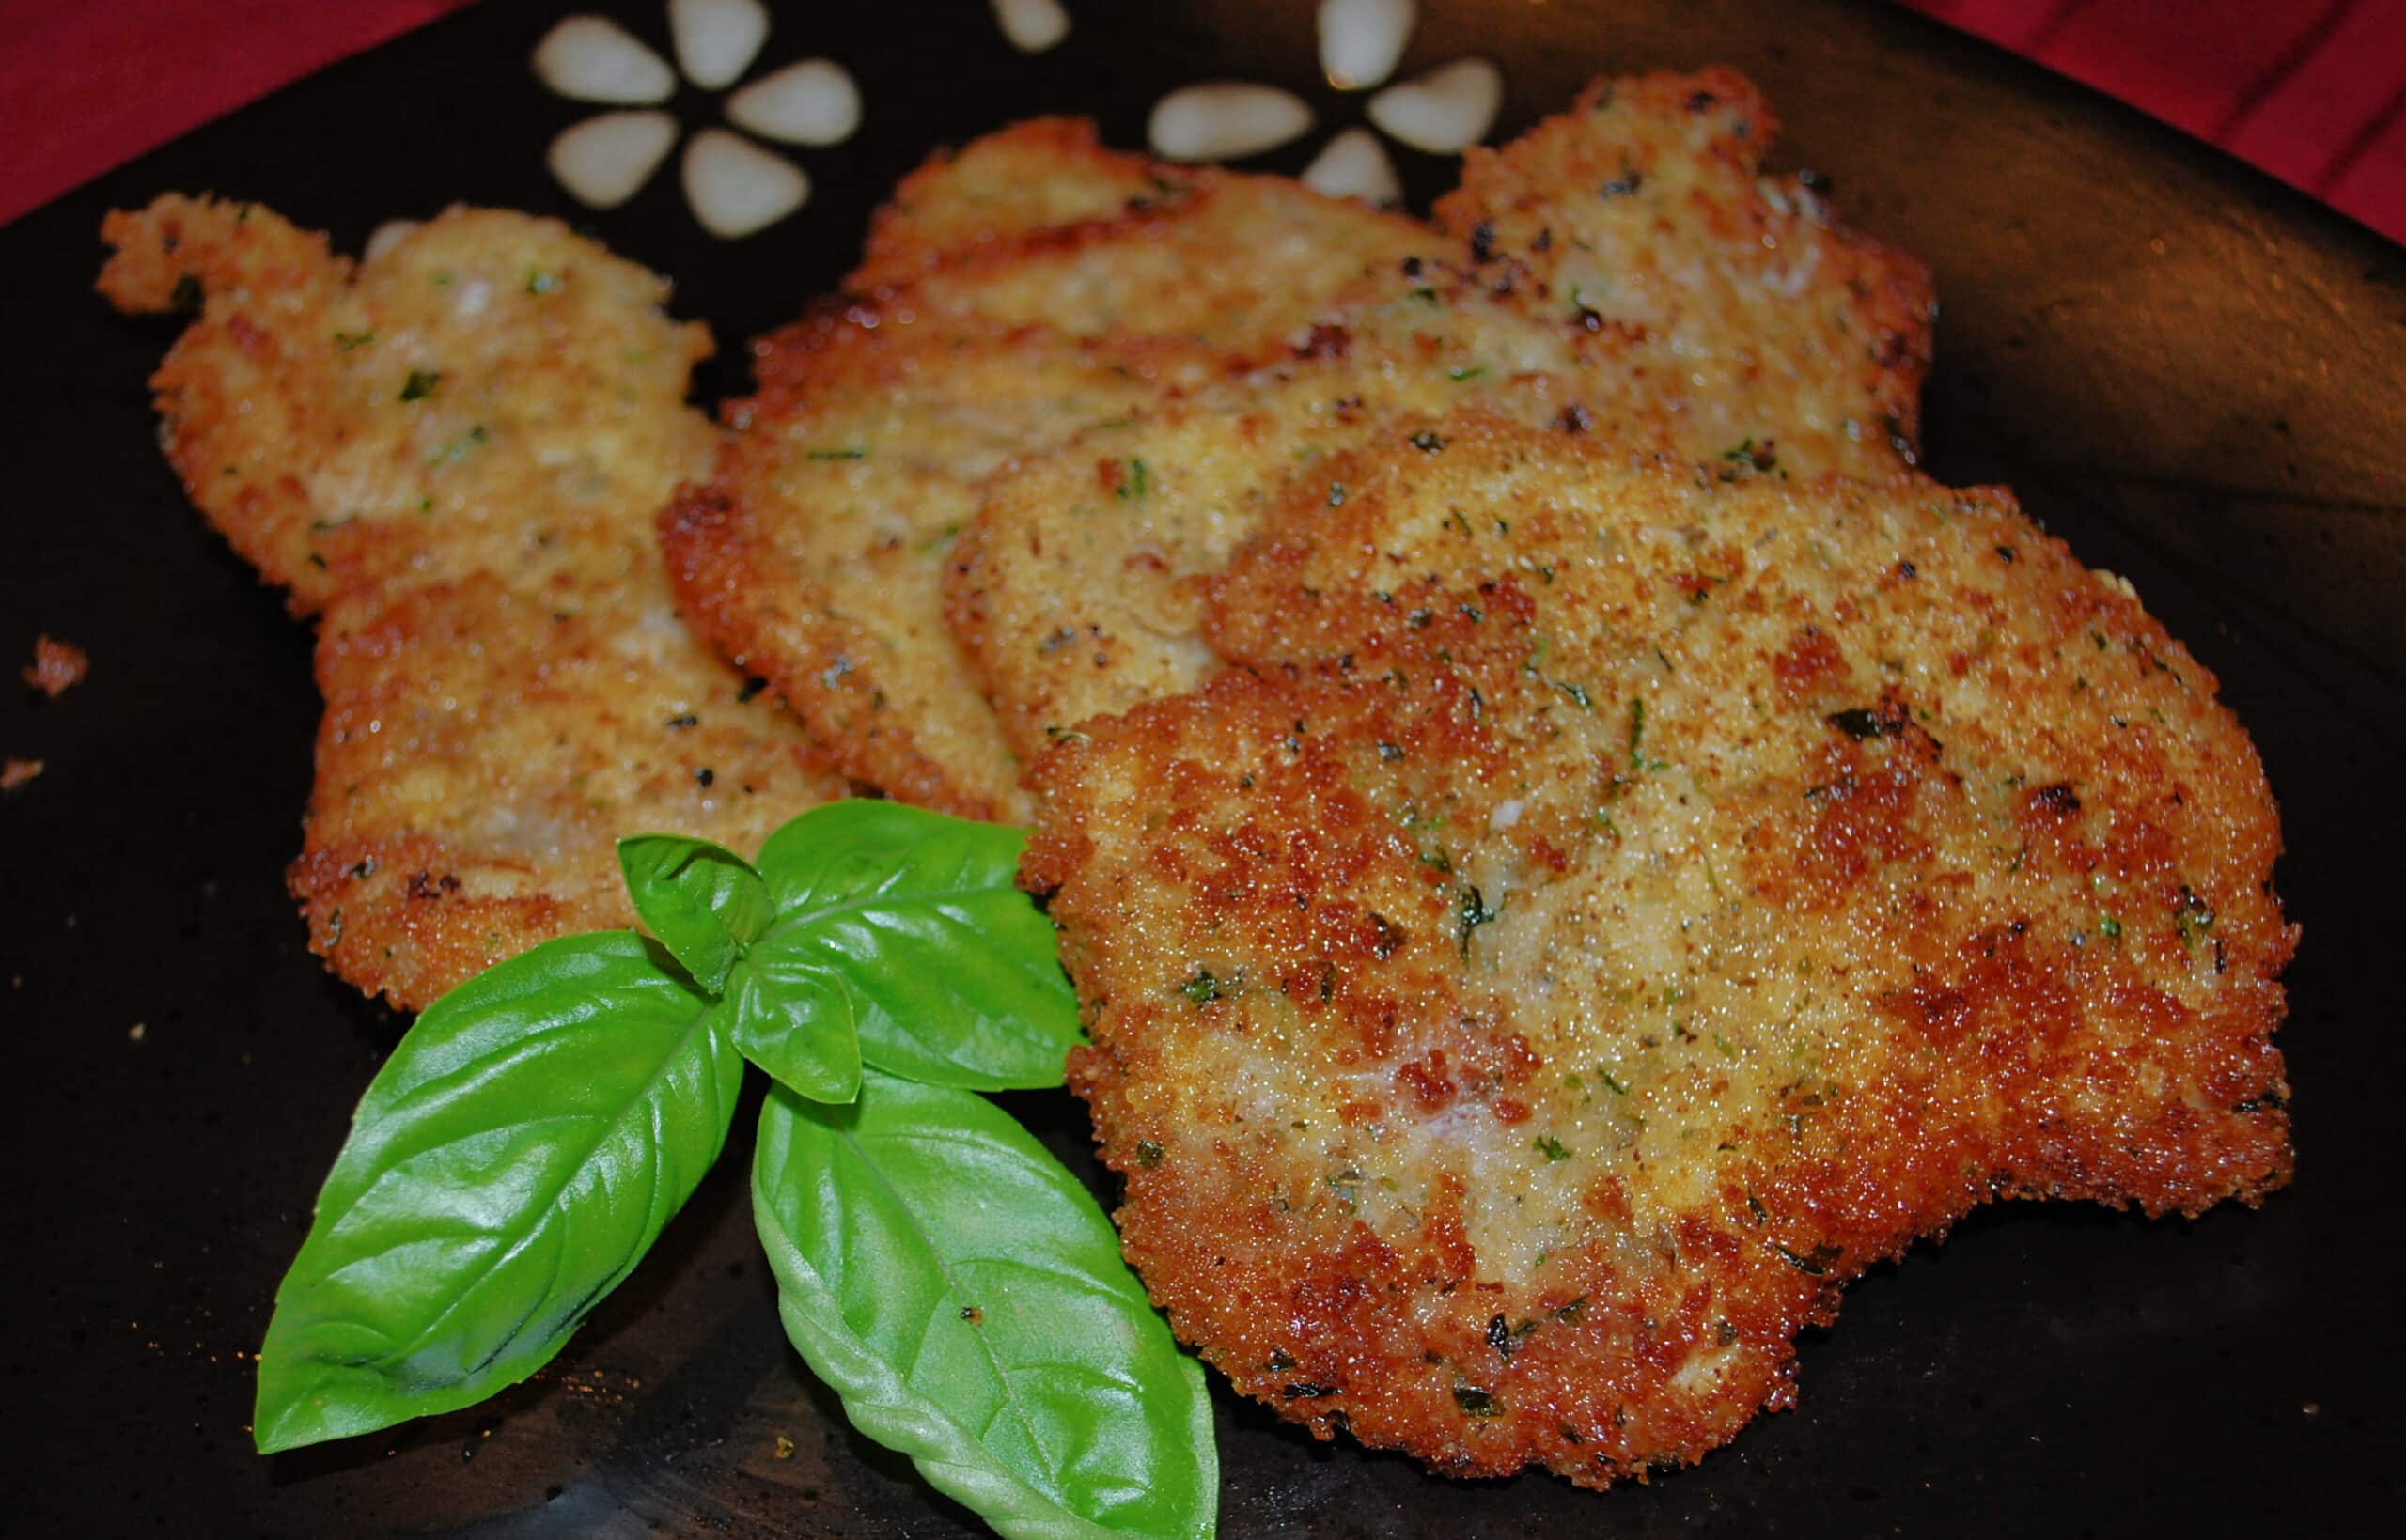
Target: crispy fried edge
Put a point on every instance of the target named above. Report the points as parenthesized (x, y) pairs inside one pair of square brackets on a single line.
[(1245, 1332), (753, 601), (1894, 299), (906, 239), (411, 952), (289, 268)]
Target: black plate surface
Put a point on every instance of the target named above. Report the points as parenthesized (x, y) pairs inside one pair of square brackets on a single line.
[(2192, 374)]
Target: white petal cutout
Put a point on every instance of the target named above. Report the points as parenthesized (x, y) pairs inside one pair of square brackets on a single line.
[(1361, 41), (592, 59), (1449, 109), (1355, 166), (812, 103), (735, 187), (605, 160), (1225, 120), (384, 237), (717, 40), (1032, 25)]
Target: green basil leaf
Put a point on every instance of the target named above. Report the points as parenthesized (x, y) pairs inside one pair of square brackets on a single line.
[(951, 970), (966, 1298), (510, 1162), (799, 1022), (703, 902)]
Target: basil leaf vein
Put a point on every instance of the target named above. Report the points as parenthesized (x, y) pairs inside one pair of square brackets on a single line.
[(512, 1161), (966, 1298), (953, 979)]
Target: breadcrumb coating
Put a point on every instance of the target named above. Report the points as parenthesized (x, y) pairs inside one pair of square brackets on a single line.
[(1609, 908), (450, 455)]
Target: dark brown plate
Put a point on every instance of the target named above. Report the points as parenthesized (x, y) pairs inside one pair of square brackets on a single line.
[(2192, 373)]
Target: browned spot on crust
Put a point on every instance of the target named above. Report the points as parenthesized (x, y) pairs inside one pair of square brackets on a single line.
[(1558, 1179), (451, 456), (1606, 198), (813, 556), (1808, 665)]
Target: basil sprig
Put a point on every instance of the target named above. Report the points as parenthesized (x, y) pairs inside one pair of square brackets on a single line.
[(538, 1126)]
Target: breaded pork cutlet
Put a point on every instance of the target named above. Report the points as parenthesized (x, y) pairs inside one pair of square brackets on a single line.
[(1024, 290), (1645, 206), (1044, 174), (1068, 593), (1074, 591), (451, 456), (1609, 909), (813, 556), (476, 398), (1220, 258), (1693, 306)]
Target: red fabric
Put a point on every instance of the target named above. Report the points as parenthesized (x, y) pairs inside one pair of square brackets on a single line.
[(2314, 91), (87, 85)]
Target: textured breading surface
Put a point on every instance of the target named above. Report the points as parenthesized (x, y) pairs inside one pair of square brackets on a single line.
[(1690, 306), (814, 554), (1614, 907), (1074, 590), (1069, 595), (452, 453), (484, 396), (1041, 174), (1236, 262), (1646, 205), (1029, 287)]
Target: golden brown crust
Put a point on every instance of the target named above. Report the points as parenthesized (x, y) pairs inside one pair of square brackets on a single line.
[(482, 751), (1614, 907), (1731, 330), (452, 453), (1826, 333), (1072, 592), (484, 396), (1043, 174), (1242, 264), (243, 381), (813, 556), (1066, 595), (997, 271)]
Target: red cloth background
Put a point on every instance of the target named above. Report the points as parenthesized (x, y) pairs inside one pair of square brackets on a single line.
[(2314, 91), (87, 85)]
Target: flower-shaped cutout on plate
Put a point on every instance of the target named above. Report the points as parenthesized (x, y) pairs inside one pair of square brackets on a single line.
[(1442, 111), (735, 185)]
